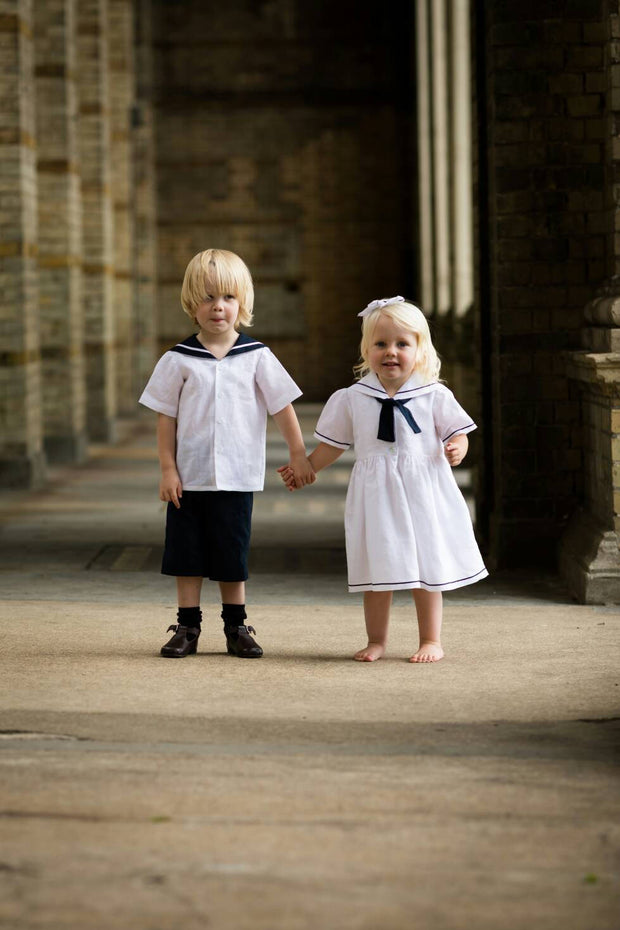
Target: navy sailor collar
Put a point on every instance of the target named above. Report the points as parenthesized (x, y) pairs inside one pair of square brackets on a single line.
[(193, 347), (414, 387)]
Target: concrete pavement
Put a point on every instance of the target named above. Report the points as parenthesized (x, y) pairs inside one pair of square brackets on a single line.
[(302, 790)]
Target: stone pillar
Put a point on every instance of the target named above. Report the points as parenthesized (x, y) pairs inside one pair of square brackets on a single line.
[(60, 232), (590, 549), (22, 461), (445, 178), (98, 251), (425, 157), (121, 74), (441, 158), (144, 201), (461, 200)]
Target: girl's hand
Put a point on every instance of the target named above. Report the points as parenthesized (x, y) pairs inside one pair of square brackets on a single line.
[(170, 487), (456, 449), (303, 472)]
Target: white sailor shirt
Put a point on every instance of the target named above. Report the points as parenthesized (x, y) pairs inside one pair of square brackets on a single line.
[(221, 408)]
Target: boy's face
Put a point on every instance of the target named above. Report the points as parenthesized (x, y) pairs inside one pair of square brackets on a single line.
[(217, 314)]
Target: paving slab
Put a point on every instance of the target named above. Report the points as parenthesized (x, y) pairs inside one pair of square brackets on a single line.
[(301, 790)]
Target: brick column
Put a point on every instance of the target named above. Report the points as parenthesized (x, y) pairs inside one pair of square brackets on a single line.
[(98, 251), (547, 225), (22, 462), (590, 547), (121, 74), (60, 232)]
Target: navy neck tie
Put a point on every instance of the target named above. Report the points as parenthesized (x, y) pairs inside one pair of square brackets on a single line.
[(386, 419)]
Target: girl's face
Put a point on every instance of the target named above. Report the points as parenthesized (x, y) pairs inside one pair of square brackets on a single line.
[(217, 314), (392, 354)]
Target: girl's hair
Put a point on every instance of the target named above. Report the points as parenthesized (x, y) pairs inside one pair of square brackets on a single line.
[(216, 271), (410, 318)]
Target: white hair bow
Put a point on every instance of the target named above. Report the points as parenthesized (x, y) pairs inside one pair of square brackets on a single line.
[(376, 304)]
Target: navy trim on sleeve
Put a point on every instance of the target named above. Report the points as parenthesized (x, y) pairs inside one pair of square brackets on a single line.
[(461, 429), (335, 442)]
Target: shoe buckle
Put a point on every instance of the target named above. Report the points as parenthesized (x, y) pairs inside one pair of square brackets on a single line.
[(250, 629)]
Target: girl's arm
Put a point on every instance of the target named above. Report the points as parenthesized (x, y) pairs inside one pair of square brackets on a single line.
[(170, 487), (288, 424), (322, 456), (456, 449)]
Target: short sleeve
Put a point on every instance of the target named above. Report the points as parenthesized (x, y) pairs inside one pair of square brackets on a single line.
[(450, 418), (274, 382), (335, 425), (164, 387)]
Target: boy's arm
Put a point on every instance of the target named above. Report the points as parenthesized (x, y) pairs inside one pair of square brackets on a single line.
[(288, 424), (456, 449), (321, 457), (170, 487)]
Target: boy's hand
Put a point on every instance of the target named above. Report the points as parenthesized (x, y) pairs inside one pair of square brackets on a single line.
[(170, 487), (288, 477), (456, 449), (303, 472)]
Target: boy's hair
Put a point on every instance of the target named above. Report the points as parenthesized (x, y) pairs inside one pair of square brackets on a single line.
[(217, 271), (410, 318)]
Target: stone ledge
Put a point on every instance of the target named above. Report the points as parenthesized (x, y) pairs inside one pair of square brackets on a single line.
[(601, 369), (603, 311), (589, 560)]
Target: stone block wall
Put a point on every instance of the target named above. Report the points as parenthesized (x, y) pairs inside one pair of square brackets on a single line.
[(21, 430), (69, 305), (59, 232)]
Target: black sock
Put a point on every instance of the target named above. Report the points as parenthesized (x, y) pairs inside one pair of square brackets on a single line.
[(233, 615), (189, 616)]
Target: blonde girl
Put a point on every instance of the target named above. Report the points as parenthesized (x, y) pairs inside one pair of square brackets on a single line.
[(407, 524)]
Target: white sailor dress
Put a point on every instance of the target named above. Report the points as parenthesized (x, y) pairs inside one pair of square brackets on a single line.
[(406, 522)]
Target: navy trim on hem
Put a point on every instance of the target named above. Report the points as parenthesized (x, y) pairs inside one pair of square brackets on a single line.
[(419, 581)]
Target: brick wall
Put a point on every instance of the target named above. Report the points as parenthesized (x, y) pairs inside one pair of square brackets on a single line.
[(283, 134)]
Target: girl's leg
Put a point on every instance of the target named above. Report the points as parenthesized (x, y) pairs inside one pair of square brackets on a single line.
[(429, 608), (377, 616)]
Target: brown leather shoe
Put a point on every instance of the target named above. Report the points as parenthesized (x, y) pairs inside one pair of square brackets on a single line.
[(183, 643), (241, 644)]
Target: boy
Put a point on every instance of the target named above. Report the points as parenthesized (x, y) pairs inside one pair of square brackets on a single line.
[(212, 393)]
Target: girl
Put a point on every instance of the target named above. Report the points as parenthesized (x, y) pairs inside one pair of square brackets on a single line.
[(212, 393), (407, 524)]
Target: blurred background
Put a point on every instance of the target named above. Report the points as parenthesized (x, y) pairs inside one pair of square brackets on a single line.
[(462, 154)]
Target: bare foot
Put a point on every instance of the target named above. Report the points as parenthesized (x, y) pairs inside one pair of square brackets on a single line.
[(428, 652), (370, 653)]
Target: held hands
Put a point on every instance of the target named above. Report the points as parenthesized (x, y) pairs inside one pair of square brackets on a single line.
[(297, 473), (456, 449), (170, 487)]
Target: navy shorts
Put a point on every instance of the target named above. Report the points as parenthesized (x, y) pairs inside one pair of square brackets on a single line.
[(209, 535)]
